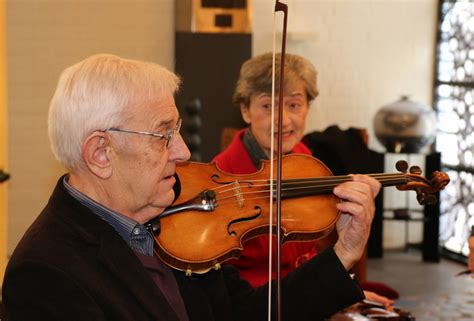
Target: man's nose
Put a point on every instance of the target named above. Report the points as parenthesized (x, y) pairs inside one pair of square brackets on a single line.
[(179, 151)]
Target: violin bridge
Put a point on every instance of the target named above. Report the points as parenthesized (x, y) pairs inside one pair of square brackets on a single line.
[(238, 195)]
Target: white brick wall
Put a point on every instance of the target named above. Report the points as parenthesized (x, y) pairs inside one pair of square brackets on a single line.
[(367, 52)]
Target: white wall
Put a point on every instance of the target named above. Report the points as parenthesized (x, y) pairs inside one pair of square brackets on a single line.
[(368, 53), (44, 37)]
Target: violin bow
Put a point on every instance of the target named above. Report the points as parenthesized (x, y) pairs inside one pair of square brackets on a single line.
[(283, 8)]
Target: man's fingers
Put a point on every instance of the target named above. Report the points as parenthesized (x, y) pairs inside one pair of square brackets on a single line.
[(372, 182), (350, 208)]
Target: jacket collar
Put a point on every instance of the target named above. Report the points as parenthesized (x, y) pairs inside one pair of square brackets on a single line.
[(126, 266)]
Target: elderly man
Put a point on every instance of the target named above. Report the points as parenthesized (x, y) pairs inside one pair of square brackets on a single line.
[(114, 125)]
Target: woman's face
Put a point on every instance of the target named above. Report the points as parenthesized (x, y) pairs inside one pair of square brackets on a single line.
[(295, 110)]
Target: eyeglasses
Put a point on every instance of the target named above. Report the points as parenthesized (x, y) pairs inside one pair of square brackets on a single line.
[(168, 136)]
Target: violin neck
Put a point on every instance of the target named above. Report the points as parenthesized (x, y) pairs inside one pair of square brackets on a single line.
[(298, 187)]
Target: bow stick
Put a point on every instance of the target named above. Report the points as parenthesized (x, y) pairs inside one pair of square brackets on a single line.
[(283, 8)]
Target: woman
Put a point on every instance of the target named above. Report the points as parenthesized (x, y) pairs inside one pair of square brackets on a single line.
[(252, 145)]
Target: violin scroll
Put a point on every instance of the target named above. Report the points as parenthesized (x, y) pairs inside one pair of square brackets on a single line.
[(424, 188)]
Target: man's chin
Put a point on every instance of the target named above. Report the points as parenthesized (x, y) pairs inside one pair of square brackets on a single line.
[(168, 201)]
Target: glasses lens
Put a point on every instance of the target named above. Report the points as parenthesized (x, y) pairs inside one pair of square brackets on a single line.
[(171, 134)]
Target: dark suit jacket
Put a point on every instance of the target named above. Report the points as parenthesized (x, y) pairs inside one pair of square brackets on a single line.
[(72, 265)]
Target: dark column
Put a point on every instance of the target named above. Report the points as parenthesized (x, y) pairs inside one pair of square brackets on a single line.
[(209, 65), (430, 246)]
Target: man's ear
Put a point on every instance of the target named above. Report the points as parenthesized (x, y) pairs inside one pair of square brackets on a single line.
[(95, 152), (245, 111)]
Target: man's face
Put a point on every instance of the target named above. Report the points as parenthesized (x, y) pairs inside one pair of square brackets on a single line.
[(144, 166), (295, 110)]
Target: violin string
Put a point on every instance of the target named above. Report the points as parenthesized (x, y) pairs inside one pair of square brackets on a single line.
[(324, 182), (324, 179), (230, 202), (316, 187), (240, 196)]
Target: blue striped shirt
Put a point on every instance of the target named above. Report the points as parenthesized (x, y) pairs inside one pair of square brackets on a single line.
[(136, 235)]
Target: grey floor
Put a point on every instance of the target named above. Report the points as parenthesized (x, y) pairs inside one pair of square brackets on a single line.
[(430, 291)]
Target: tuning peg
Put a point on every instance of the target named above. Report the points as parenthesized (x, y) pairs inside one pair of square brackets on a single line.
[(401, 166), (420, 197), (415, 170), (430, 199)]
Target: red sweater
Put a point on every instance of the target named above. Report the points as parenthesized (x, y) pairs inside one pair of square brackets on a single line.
[(253, 264)]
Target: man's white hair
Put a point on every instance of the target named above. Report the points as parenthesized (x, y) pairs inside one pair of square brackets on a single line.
[(95, 94)]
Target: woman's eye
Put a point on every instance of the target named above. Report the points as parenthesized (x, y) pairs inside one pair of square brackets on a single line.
[(294, 106)]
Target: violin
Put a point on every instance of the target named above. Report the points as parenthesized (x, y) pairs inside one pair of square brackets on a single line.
[(217, 212)]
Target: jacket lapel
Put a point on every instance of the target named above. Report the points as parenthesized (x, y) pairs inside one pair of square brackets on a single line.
[(131, 272), (114, 253)]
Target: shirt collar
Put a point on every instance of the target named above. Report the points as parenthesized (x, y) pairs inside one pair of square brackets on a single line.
[(135, 234)]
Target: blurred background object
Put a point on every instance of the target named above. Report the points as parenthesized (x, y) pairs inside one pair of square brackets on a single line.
[(405, 126), (3, 176), (212, 40), (192, 124)]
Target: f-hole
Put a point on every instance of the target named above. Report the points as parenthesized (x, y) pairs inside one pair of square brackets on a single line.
[(242, 219)]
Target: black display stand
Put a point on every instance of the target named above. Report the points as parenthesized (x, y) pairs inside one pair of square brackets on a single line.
[(430, 246)]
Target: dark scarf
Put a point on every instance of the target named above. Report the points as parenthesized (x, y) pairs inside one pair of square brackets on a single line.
[(256, 152)]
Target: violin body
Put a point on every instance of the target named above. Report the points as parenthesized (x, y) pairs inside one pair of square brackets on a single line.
[(216, 212), (241, 212)]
